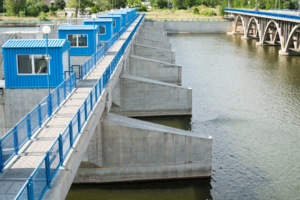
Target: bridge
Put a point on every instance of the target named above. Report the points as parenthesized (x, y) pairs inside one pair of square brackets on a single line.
[(86, 120), (271, 28)]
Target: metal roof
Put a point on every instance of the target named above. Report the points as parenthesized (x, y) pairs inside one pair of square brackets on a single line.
[(109, 15), (79, 27), (33, 43), (98, 20)]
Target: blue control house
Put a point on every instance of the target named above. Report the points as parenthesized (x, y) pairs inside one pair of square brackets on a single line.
[(105, 28), (116, 21), (25, 64), (123, 14), (83, 39)]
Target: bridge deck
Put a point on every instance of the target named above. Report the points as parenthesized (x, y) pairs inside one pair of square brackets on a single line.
[(22, 166)]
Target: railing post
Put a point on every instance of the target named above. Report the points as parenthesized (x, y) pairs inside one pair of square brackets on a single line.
[(74, 77), (1, 158), (79, 121), (61, 154), (91, 100), (48, 174), (16, 142), (28, 126), (85, 110), (58, 103), (65, 96), (71, 133), (96, 93), (30, 189), (40, 115), (70, 84), (49, 106)]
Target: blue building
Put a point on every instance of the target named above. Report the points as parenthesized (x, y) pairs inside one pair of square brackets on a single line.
[(83, 39), (128, 16), (123, 14), (25, 64), (116, 21), (105, 27)]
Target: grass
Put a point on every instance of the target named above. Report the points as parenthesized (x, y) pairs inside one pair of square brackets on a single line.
[(14, 18), (177, 14)]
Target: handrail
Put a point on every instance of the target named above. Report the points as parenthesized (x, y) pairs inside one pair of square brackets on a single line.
[(268, 14), (46, 170), (189, 20), (13, 141)]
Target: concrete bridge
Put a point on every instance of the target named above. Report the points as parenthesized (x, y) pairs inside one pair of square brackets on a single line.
[(269, 28), (108, 146)]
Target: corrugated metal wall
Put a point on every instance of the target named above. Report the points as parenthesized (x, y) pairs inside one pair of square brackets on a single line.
[(13, 80), (109, 30), (81, 51)]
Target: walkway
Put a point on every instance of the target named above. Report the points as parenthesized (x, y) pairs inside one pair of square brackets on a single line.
[(21, 167)]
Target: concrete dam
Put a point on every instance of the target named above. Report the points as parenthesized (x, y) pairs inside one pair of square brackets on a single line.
[(89, 137)]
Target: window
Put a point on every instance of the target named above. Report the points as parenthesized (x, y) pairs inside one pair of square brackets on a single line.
[(79, 40), (102, 30), (32, 64), (114, 23)]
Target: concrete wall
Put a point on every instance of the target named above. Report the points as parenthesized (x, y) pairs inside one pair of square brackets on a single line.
[(125, 149), (154, 43), (75, 21), (152, 69), (192, 27), (15, 104), (154, 31), (78, 60), (146, 97), (154, 53), (154, 37)]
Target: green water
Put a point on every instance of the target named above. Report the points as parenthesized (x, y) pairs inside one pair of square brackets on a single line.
[(248, 98)]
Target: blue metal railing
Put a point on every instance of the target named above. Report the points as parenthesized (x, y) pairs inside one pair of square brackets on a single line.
[(110, 42), (13, 141), (268, 14), (189, 20), (40, 179), (122, 30)]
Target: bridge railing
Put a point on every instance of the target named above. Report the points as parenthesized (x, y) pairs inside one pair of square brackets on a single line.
[(40, 179), (189, 20), (268, 14), (13, 141), (122, 30)]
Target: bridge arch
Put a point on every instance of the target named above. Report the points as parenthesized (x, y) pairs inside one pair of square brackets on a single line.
[(278, 32), (249, 26), (289, 40), (236, 22)]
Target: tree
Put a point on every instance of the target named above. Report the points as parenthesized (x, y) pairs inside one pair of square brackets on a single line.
[(60, 4), (221, 11), (13, 7), (42, 7)]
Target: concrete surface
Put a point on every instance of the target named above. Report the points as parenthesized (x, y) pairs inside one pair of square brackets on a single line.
[(78, 60), (152, 69), (154, 53), (154, 37), (125, 149), (146, 97), (154, 43)]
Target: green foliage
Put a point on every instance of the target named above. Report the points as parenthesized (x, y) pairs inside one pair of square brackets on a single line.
[(159, 3), (144, 8), (60, 4), (52, 8), (207, 12), (221, 11), (42, 7), (93, 9), (101, 7), (195, 11), (13, 7), (32, 11), (22, 14), (42, 16)]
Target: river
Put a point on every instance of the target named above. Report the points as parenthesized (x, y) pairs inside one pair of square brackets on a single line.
[(247, 98)]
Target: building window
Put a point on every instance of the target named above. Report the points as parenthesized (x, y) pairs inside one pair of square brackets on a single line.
[(32, 64), (79, 40), (114, 23), (102, 30)]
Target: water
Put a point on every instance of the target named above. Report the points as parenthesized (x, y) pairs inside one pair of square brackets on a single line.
[(248, 98)]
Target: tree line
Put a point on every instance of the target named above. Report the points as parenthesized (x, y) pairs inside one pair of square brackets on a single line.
[(263, 4)]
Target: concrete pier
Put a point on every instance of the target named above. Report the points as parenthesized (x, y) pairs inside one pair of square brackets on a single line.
[(154, 43), (125, 149)]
